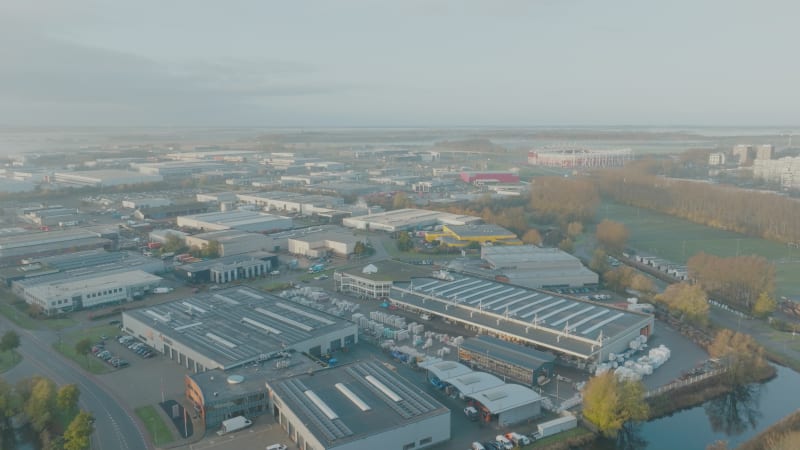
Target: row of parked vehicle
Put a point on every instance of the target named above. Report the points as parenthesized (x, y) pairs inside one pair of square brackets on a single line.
[(135, 346), (503, 442), (99, 350)]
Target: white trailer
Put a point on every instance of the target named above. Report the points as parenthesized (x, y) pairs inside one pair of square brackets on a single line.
[(235, 424), (556, 426)]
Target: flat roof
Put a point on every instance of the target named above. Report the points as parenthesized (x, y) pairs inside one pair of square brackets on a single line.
[(388, 270), (543, 318), (349, 402), (293, 197), (238, 324), (445, 369), (500, 255), (486, 229), (516, 354), (410, 217), (235, 218), (66, 287), (474, 382), (506, 397), (225, 260)]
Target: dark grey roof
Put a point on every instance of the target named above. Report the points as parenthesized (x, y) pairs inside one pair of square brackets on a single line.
[(349, 422), (237, 325), (516, 354), (224, 261)]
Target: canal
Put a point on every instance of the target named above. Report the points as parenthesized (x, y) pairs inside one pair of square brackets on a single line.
[(734, 417)]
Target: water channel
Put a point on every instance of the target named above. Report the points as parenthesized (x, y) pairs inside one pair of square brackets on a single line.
[(734, 417)]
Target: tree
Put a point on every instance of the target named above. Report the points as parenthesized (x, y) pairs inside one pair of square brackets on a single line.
[(404, 242), (211, 249), (574, 229), (40, 406), (612, 235), (619, 279), (609, 403), (83, 347), (78, 433), (764, 306), (67, 398), (687, 300), (599, 262), (642, 283), (743, 356), (401, 201), (717, 445), (359, 249), (173, 244), (532, 236), (9, 342), (566, 245)]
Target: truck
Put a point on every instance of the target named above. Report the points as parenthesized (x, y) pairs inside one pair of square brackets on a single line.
[(518, 439), (316, 268), (555, 426), (235, 424), (162, 290)]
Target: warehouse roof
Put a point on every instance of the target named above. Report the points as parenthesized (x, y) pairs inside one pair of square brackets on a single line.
[(506, 397), (516, 354), (224, 261), (482, 230), (347, 403), (543, 318), (444, 370), (236, 325), (74, 285), (235, 218), (472, 383), (387, 270)]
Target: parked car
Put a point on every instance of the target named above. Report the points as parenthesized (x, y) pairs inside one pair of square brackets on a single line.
[(503, 442)]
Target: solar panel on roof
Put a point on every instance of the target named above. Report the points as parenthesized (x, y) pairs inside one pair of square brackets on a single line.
[(604, 322), (285, 320)]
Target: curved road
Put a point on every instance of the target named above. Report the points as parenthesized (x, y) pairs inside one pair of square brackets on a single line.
[(115, 428)]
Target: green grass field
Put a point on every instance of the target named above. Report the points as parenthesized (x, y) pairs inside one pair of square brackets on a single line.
[(67, 347), (158, 430), (677, 240)]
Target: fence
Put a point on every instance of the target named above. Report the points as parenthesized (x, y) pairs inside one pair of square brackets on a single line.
[(683, 383)]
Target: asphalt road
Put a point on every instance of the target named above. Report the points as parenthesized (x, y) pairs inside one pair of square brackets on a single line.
[(115, 428)]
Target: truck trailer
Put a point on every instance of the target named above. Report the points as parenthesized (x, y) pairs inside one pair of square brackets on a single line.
[(235, 424), (556, 426)]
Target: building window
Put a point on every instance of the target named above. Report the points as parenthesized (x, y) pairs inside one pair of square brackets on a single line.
[(427, 440), (409, 446)]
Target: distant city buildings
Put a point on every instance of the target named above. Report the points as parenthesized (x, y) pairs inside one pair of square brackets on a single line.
[(579, 157)]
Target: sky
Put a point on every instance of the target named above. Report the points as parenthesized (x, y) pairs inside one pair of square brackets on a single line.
[(403, 63)]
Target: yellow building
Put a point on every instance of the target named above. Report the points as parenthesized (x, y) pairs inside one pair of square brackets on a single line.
[(464, 235)]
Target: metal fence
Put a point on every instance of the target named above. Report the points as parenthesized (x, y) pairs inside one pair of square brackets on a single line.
[(683, 383)]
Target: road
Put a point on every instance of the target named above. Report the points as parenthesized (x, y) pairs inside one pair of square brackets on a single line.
[(115, 427)]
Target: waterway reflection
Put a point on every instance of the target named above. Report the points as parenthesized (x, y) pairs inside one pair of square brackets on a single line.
[(735, 412)]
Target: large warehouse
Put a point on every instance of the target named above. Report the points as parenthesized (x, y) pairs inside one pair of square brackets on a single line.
[(233, 327), (319, 242), (241, 220), (464, 235), (569, 326), (291, 202), (579, 157), (229, 268), (15, 248), (536, 267), (98, 178), (407, 219), (511, 361), (75, 293), (232, 242), (359, 406)]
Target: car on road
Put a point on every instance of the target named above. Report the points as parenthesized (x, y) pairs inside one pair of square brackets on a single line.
[(276, 447)]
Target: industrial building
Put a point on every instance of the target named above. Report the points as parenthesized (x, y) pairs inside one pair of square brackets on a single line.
[(170, 211), (493, 398), (105, 178), (407, 219), (234, 327), (323, 241), (162, 235), (176, 169), (13, 249), (50, 216), (146, 202), (537, 267), (241, 220), (217, 197), (229, 268), (568, 326), (783, 171), (75, 293), (219, 395), (291, 202), (510, 361), (375, 280), (489, 177), (232, 242), (464, 235), (573, 158), (359, 406)]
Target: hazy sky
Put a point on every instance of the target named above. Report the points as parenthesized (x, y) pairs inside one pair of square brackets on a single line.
[(399, 63)]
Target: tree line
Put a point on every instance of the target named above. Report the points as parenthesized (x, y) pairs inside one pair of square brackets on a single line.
[(754, 213), (736, 281), (51, 411)]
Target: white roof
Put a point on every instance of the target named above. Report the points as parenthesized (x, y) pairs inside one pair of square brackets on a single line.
[(369, 268), (444, 370), (506, 397), (474, 382)]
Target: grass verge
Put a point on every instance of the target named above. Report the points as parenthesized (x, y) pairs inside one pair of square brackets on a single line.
[(159, 431), (8, 360), (20, 318), (66, 347)]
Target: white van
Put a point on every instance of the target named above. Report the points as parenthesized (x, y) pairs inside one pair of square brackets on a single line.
[(276, 447), (505, 443), (477, 446)]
